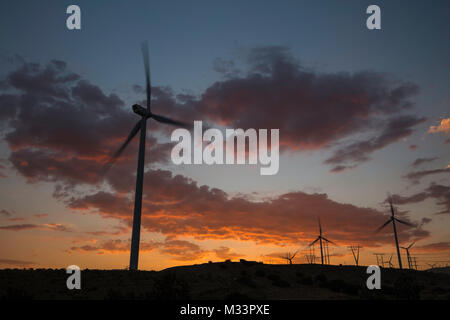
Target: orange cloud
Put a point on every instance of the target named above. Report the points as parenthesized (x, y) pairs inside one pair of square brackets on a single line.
[(444, 126)]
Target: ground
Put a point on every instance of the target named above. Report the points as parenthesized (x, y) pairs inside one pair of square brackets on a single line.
[(227, 280)]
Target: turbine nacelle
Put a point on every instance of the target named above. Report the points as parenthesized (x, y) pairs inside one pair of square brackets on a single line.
[(140, 110)]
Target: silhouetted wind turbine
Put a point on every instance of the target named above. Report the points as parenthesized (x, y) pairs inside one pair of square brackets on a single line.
[(407, 254), (393, 219), (145, 114), (290, 257), (390, 262), (320, 238)]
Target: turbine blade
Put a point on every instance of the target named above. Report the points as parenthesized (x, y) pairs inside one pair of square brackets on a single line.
[(133, 132), (328, 240), (314, 242), (148, 88), (404, 222), (411, 244), (170, 121), (392, 207), (384, 225)]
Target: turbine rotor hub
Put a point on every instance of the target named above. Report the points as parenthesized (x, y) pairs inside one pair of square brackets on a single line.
[(140, 110)]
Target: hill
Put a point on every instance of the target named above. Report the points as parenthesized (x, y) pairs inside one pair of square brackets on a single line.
[(226, 280)]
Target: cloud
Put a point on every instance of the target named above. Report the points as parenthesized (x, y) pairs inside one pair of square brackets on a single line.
[(177, 207), (55, 121), (112, 247), (415, 176), (413, 147), (5, 212), (435, 191), (183, 250), (62, 128), (11, 262), (444, 126), (356, 153), (19, 227), (420, 161), (48, 226), (41, 215), (177, 249), (312, 110), (434, 247), (226, 253)]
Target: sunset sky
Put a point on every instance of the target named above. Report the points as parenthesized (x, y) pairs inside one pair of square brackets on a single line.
[(360, 113)]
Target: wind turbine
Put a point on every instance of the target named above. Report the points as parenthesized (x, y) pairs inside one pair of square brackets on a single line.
[(408, 255), (390, 262), (321, 238), (141, 125), (393, 219), (290, 257)]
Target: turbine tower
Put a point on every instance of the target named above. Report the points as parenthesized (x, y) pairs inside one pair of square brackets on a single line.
[(393, 219), (321, 238), (408, 256), (141, 125)]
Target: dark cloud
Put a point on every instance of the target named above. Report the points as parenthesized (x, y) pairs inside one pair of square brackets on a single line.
[(359, 152), (415, 176), (19, 227), (57, 122), (420, 161), (435, 191), (312, 110), (5, 212), (413, 147), (48, 226)]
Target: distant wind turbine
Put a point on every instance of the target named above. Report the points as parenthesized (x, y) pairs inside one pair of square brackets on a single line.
[(393, 219), (321, 238), (390, 262), (408, 256), (289, 257), (141, 125)]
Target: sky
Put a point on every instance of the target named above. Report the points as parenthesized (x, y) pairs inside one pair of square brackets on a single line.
[(360, 113)]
